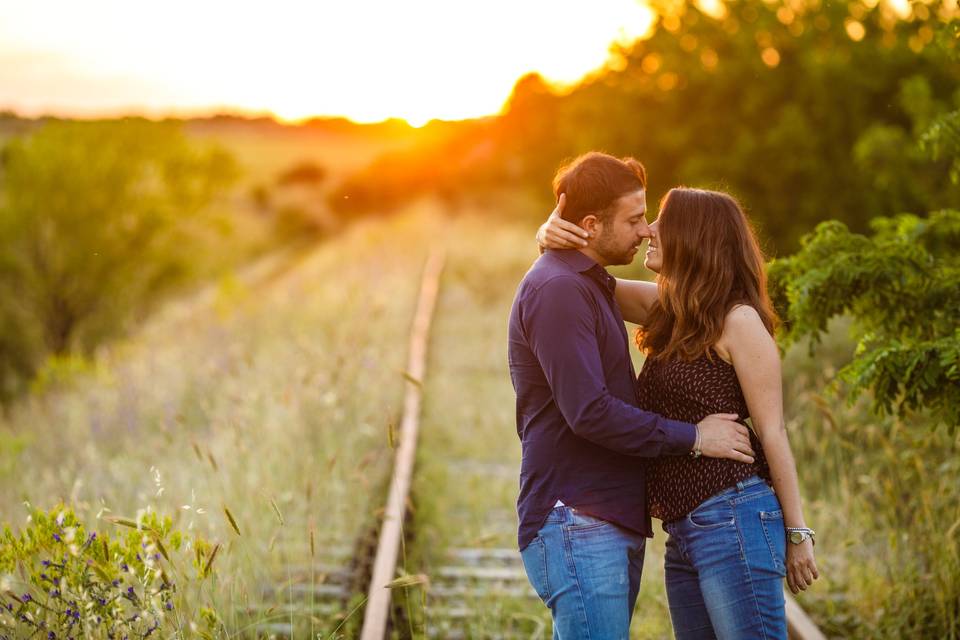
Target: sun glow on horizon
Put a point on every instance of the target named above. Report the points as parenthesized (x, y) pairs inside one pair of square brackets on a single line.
[(367, 60)]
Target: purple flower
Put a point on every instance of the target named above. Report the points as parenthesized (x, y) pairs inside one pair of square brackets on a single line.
[(55, 593), (169, 607), (115, 583), (45, 563), (56, 537), (51, 635), (130, 592), (26, 597)]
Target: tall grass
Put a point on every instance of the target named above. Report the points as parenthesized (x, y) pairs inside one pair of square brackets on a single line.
[(272, 400), (884, 497)]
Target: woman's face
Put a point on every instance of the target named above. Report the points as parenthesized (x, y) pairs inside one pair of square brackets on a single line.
[(654, 258)]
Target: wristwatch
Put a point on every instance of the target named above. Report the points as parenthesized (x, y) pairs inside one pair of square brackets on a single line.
[(796, 535)]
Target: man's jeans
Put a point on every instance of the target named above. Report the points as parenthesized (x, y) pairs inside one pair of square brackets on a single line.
[(725, 566), (588, 572)]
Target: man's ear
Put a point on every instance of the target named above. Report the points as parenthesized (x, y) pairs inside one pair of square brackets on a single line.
[(590, 224)]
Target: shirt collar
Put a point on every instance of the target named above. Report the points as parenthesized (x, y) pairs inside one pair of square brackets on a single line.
[(575, 258), (583, 263)]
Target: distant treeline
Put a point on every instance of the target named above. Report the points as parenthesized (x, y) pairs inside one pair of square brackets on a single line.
[(806, 110)]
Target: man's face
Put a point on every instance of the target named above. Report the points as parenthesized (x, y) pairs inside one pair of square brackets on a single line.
[(618, 238)]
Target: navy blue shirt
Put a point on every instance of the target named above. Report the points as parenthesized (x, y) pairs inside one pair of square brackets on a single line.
[(580, 427)]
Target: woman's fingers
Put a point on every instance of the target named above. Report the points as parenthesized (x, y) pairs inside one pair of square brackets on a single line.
[(566, 229), (567, 238), (792, 583), (799, 580)]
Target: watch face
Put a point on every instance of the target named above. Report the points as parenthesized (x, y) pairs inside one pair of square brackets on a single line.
[(796, 537)]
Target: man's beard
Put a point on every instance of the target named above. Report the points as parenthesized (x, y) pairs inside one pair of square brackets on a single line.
[(612, 254)]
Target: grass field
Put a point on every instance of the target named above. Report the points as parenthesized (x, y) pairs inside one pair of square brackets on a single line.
[(284, 390), (283, 393)]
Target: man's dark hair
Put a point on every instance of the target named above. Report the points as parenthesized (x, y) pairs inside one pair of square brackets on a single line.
[(594, 182)]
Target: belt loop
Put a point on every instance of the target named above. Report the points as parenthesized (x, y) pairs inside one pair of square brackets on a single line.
[(740, 486)]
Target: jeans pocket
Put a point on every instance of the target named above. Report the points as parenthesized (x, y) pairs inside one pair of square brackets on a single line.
[(712, 515), (776, 535), (582, 522), (534, 557)]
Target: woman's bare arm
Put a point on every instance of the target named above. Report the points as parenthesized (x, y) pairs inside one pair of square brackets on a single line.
[(756, 359), (636, 298)]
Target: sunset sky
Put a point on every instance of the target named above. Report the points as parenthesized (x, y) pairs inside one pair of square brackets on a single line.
[(365, 59)]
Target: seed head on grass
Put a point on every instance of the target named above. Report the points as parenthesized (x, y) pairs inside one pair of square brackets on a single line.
[(206, 567), (408, 581), (233, 523), (411, 379), (276, 510)]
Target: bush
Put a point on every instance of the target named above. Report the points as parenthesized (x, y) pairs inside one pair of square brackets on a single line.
[(60, 580)]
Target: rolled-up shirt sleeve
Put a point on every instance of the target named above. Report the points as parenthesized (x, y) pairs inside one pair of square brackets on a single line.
[(560, 322)]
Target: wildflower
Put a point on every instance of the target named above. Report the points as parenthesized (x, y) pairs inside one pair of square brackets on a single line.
[(130, 592), (51, 635), (56, 537), (26, 597), (115, 583), (169, 607), (45, 563)]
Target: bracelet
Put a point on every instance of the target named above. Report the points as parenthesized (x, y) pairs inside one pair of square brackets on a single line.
[(696, 452)]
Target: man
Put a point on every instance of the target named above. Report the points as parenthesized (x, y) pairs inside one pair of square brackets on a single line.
[(582, 502)]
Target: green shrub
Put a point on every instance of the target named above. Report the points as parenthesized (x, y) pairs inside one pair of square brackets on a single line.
[(60, 580)]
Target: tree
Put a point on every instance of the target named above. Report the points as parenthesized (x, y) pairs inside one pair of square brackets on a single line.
[(96, 220), (902, 288)]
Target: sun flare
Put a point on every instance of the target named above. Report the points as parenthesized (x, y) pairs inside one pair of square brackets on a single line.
[(368, 60)]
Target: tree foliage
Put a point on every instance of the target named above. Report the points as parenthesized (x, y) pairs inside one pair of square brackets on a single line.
[(96, 220), (804, 109), (902, 288)]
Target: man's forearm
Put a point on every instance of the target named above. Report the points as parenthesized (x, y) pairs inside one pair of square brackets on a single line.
[(625, 429)]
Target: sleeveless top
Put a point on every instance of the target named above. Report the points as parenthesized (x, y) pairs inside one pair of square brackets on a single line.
[(690, 391)]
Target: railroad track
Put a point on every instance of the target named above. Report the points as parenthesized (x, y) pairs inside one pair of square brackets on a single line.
[(324, 590)]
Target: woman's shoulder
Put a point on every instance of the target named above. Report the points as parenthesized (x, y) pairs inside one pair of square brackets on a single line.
[(742, 317), (741, 324)]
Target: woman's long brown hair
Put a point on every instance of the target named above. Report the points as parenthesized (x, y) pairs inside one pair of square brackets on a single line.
[(711, 263)]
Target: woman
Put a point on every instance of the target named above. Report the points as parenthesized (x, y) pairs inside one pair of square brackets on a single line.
[(706, 328)]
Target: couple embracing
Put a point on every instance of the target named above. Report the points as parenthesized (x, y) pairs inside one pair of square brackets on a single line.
[(604, 450)]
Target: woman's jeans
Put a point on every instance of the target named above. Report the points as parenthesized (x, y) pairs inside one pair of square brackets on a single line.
[(587, 571), (725, 566)]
